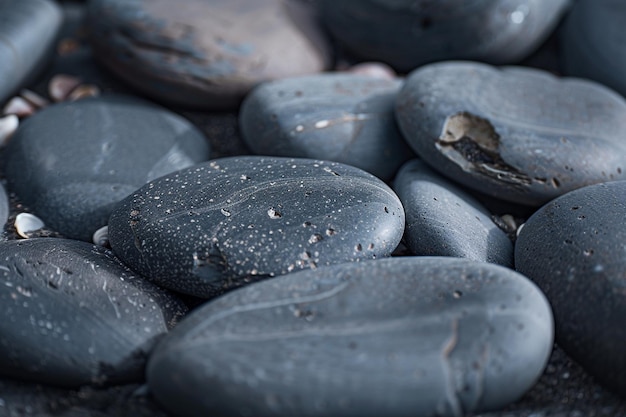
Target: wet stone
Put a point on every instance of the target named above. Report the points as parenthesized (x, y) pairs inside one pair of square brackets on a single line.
[(4, 207), (592, 42), (73, 314), (515, 133), (225, 223), (573, 248), (71, 163), (407, 33), (346, 118), (444, 220), (205, 54), (28, 29), (442, 336)]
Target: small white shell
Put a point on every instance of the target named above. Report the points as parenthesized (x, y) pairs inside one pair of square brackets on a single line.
[(26, 224), (8, 126), (19, 106), (101, 236), (62, 85)]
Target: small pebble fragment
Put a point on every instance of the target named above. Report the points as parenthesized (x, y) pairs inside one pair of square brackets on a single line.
[(74, 315), (8, 126), (62, 85), (203, 230), (573, 248), (409, 336), (26, 224), (19, 107), (101, 236)]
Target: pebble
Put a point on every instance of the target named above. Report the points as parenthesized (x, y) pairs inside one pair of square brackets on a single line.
[(225, 223), (409, 336), (407, 33), (74, 315), (72, 162), (4, 207), (592, 42), (346, 118), (573, 248), (515, 133), (205, 54), (28, 29), (444, 220)]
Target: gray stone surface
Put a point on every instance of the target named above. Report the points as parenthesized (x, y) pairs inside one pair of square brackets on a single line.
[(573, 248), (402, 336), (224, 223), (515, 133), (74, 315)]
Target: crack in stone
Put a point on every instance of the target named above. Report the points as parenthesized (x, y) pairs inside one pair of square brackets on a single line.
[(452, 397)]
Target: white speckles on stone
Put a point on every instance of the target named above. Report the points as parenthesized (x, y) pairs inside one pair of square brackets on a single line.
[(322, 124), (225, 212), (274, 214)]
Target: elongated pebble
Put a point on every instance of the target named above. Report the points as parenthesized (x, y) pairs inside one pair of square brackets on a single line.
[(224, 223), (412, 336)]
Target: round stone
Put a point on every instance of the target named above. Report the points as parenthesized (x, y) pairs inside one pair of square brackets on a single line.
[(444, 220), (72, 162), (205, 54), (410, 336), (573, 248), (28, 30), (518, 134), (407, 33), (346, 118), (231, 221), (592, 42), (73, 314)]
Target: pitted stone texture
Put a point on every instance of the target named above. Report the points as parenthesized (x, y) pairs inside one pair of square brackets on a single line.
[(230, 221), (72, 162), (573, 248), (72, 314), (345, 118), (206, 53), (410, 336), (515, 133)]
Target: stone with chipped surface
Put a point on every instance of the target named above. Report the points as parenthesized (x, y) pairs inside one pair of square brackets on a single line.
[(206, 53), (444, 220), (573, 248), (225, 223), (518, 134), (71, 163), (73, 314), (410, 336), (346, 118)]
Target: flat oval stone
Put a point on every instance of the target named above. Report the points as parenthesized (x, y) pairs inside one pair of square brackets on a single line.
[(518, 134), (28, 30), (407, 33), (71, 163), (346, 118), (73, 314), (592, 42), (231, 221), (205, 54), (409, 336), (573, 248), (444, 220)]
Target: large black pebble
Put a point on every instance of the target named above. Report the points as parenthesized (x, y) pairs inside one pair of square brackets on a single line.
[(345, 118), (28, 30), (411, 336), (71, 163), (515, 133), (574, 249), (444, 220), (225, 223), (73, 314)]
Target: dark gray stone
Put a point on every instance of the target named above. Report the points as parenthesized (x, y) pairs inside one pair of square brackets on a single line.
[(71, 163), (205, 54), (72, 314), (412, 336), (28, 30), (444, 220), (225, 223), (573, 248), (518, 134), (4, 207), (592, 42), (407, 33), (346, 118)]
